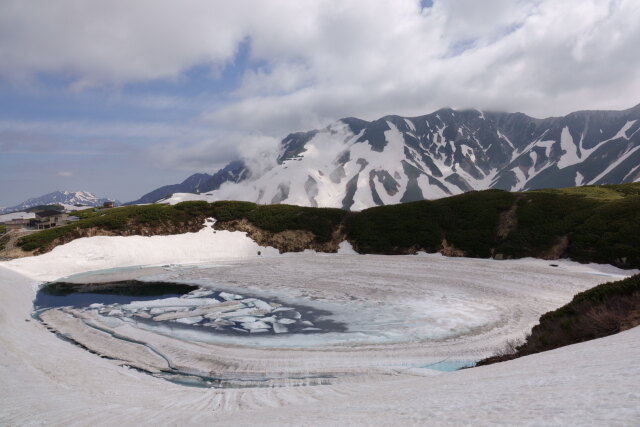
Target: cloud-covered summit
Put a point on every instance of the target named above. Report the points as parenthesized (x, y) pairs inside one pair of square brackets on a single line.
[(193, 74)]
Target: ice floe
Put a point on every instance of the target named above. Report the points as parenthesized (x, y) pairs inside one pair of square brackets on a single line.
[(203, 308)]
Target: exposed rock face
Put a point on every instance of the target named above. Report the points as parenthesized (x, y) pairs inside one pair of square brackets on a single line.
[(284, 241), (558, 250), (508, 220), (449, 250), (9, 248)]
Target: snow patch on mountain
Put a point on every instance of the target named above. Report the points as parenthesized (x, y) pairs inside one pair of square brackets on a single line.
[(355, 164)]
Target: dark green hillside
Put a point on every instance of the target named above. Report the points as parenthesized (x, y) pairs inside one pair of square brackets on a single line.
[(597, 224), (587, 224), (598, 312), (276, 218), (468, 222), (185, 217), (120, 221)]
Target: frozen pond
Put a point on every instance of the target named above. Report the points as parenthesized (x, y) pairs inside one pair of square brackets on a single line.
[(307, 319)]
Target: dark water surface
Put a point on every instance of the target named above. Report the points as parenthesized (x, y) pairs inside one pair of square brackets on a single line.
[(80, 295)]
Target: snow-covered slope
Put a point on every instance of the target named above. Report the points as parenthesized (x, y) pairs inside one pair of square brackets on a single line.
[(46, 380), (355, 164), (62, 198), (103, 252)]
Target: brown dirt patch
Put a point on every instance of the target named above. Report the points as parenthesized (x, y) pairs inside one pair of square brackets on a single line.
[(284, 241)]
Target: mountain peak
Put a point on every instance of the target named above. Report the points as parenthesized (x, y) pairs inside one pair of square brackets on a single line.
[(64, 197), (395, 159)]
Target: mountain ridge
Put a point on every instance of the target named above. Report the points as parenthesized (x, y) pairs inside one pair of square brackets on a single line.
[(65, 197), (197, 183), (355, 164)]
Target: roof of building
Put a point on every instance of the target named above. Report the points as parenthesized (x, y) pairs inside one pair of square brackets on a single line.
[(17, 221), (45, 214)]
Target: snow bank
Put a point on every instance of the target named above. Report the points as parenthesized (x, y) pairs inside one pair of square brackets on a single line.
[(345, 248), (102, 252)]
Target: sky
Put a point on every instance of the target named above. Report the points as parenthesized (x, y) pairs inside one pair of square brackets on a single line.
[(121, 97)]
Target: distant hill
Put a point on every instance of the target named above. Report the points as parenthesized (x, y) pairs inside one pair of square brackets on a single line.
[(197, 183), (59, 198)]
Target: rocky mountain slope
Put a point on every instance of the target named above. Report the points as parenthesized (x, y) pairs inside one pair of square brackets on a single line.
[(83, 198), (355, 164)]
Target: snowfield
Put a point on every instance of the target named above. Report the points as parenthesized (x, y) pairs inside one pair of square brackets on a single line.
[(404, 316), (101, 252)]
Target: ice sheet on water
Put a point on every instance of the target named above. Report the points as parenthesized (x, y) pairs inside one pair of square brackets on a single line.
[(279, 328), (242, 312), (229, 297), (198, 293), (257, 303), (190, 320), (161, 310), (242, 319), (255, 325), (170, 302)]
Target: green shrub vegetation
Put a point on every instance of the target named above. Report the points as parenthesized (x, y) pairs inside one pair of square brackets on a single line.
[(4, 239), (467, 221), (602, 224), (3, 228), (322, 222), (595, 223), (275, 218), (599, 224), (598, 295)]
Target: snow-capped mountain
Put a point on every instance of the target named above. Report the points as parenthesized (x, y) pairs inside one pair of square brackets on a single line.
[(198, 183), (355, 164), (69, 198)]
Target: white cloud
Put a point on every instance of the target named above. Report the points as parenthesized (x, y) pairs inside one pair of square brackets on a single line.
[(65, 173), (116, 41), (207, 155), (325, 59), (540, 57)]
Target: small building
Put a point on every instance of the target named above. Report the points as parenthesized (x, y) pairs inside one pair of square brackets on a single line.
[(17, 224), (49, 219), (109, 205)]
